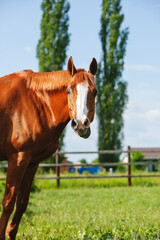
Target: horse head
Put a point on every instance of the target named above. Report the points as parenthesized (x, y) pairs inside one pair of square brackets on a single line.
[(81, 97)]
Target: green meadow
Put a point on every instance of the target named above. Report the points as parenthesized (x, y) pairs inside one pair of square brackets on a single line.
[(92, 209)]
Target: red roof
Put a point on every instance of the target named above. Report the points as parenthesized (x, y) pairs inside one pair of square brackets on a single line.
[(149, 153)]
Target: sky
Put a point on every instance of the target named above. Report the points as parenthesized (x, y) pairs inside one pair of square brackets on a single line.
[(19, 34)]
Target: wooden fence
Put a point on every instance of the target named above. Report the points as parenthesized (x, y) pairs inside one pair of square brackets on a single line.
[(129, 175)]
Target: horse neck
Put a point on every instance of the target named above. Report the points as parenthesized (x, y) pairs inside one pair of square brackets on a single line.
[(51, 89), (59, 104)]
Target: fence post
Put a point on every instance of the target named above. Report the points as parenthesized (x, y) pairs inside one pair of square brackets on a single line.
[(129, 167), (58, 169)]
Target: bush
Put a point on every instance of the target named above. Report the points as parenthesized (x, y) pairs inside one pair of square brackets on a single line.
[(137, 157), (121, 169), (96, 160), (83, 160)]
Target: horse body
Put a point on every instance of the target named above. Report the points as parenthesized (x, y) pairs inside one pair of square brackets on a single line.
[(32, 116), (34, 110)]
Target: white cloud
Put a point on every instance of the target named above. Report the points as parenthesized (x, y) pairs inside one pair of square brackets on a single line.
[(150, 116), (142, 127), (144, 85), (153, 115), (142, 67), (27, 49)]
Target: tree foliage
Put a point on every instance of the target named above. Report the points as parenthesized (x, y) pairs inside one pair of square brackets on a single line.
[(137, 157), (112, 89), (54, 39), (83, 160)]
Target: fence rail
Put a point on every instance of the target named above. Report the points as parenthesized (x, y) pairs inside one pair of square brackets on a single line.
[(58, 165), (92, 164)]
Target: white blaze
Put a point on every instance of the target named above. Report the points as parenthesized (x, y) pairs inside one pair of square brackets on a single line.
[(82, 111)]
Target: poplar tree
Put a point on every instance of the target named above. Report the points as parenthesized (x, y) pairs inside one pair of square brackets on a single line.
[(112, 89), (54, 39)]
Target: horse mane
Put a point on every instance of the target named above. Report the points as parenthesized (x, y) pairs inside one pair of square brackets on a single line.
[(48, 80), (56, 80)]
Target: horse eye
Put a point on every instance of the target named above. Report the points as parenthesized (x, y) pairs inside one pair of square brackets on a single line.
[(68, 90), (95, 92)]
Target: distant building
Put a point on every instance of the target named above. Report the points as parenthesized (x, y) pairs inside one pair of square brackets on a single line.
[(148, 156), (64, 169)]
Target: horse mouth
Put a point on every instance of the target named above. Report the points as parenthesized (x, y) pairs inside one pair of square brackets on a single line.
[(85, 133)]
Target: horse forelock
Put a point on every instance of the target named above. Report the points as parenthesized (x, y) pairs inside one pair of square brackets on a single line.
[(82, 76)]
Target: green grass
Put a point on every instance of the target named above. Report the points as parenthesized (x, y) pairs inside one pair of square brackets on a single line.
[(97, 209), (96, 183)]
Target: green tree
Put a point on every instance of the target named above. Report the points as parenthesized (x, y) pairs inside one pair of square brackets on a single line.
[(54, 40), (83, 160), (138, 157), (95, 160), (112, 96)]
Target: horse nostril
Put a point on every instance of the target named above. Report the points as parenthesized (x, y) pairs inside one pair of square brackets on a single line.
[(73, 123), (86, 123)]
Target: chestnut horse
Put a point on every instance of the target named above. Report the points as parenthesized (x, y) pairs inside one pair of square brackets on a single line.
[(34, 110)]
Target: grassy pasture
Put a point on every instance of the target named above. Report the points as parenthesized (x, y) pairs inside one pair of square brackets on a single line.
[(97, 209)]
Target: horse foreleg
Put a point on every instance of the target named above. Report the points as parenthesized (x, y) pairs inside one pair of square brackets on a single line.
[(17, 164), (22, 201)]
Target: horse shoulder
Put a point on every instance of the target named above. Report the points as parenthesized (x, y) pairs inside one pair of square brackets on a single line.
[(15, 108)]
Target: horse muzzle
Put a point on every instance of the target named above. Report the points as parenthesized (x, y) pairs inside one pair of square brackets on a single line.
[(82, 129), (84, 133)]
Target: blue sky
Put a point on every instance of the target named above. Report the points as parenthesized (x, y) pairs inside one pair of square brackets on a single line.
[(20, 31)]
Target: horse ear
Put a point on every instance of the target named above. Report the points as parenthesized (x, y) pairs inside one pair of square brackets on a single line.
[(70, 67), (93, 66)]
